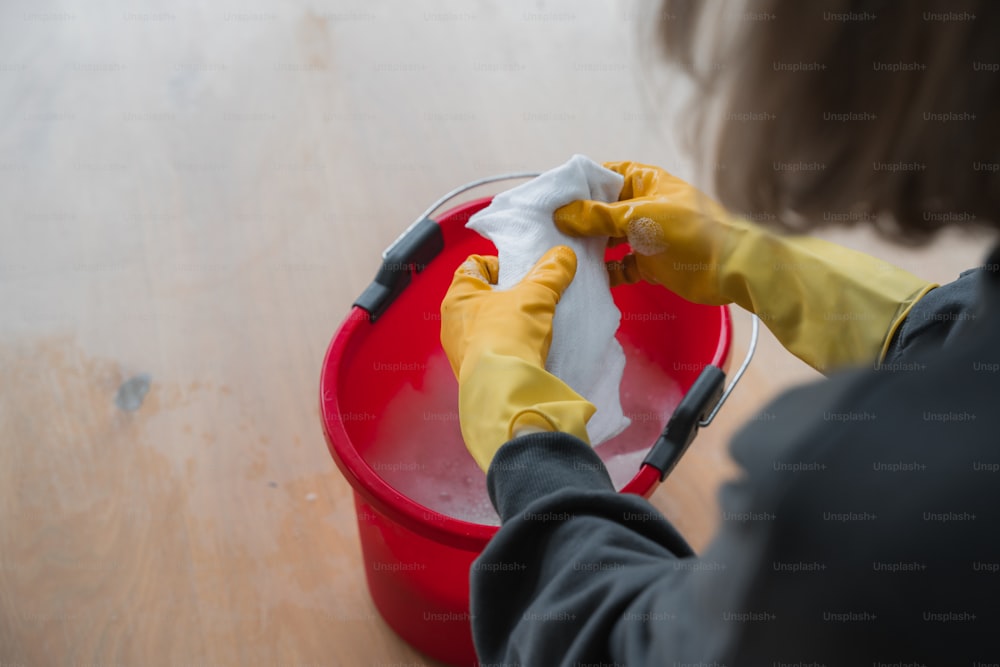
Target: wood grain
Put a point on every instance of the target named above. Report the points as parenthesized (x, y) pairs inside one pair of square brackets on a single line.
[(196, 192)]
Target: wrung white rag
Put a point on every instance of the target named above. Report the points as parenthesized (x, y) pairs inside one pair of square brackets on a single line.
[(584, 352)]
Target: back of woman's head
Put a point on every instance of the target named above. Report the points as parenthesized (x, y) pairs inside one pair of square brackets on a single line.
[(852, 110)]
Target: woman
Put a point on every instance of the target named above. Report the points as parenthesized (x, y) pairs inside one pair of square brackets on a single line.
[(884, 548)]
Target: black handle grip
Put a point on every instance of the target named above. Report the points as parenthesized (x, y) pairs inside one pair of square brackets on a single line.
[(407, 256), (683, 425)]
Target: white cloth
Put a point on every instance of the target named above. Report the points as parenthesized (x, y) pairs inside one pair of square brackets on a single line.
[(584, 352)]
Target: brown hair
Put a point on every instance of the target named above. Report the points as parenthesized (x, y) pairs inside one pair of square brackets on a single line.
[(845, 111)]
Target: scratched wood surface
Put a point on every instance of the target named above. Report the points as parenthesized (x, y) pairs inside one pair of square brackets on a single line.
[(191, 196)]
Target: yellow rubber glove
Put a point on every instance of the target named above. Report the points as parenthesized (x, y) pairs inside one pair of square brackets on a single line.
[(497, 343), (828, 305)]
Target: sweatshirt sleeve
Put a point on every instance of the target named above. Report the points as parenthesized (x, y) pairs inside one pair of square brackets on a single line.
[(580, 574)]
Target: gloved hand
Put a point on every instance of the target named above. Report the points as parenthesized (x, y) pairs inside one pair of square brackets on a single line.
[(497, 343), (828, 305)]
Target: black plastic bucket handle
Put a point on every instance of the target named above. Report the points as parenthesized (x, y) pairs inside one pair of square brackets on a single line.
[(698, 408), (413, 250)]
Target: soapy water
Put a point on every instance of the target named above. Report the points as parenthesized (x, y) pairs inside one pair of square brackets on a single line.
[(418, 447)]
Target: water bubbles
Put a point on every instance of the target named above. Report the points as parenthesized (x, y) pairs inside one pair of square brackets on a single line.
[(425, 458)]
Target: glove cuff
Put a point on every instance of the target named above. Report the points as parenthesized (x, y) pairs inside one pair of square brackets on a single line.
[(905, 309), (563, 416), (497, 393)]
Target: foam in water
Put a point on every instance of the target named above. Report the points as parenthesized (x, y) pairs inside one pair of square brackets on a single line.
[(418, 448)]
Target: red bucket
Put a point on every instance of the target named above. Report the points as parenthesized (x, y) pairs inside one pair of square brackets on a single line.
[(389, 405)]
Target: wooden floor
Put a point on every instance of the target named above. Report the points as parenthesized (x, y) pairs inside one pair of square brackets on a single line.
[(191, 197)]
